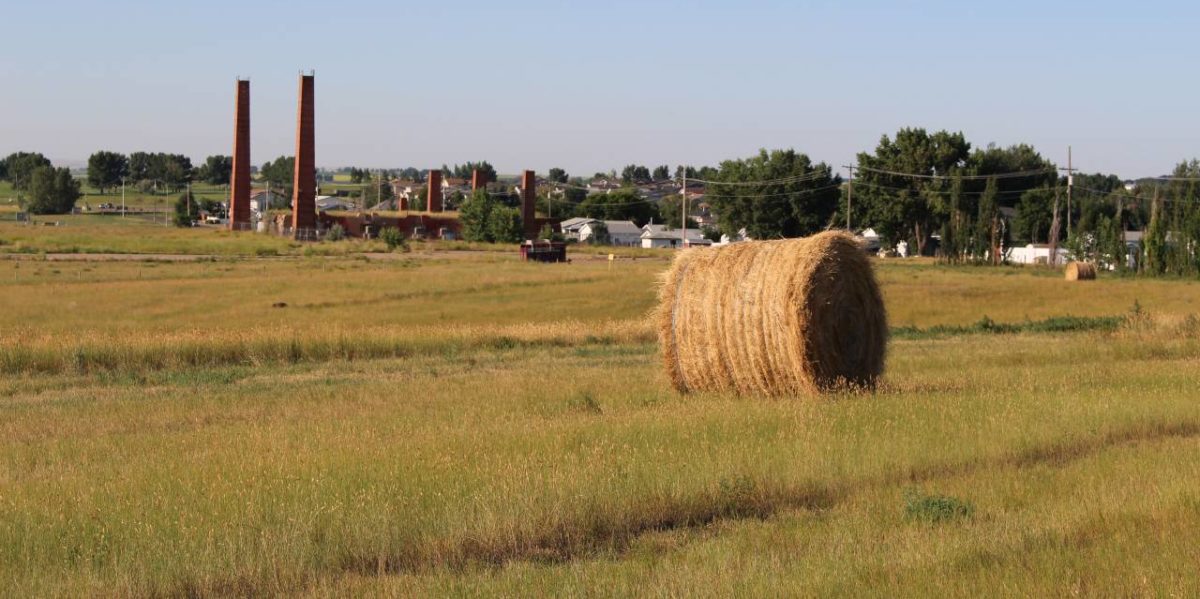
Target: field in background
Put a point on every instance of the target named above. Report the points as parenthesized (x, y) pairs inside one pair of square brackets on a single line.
[(459, 422)]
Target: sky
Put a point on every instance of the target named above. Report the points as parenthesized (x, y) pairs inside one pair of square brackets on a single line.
[(590, 87)]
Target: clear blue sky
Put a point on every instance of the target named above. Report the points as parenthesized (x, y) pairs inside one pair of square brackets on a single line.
[(593, 86)]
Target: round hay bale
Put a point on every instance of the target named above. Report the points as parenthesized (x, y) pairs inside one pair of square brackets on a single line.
[(1081, 271), (773, 317)]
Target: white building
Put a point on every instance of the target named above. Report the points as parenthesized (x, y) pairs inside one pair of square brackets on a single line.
[(571, 226), (659, 236), (1037, 254), (620, 232), (271, 199), (325, 203)]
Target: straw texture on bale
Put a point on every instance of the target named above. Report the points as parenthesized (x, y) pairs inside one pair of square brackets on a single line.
[(1081, 271), (773, 317)]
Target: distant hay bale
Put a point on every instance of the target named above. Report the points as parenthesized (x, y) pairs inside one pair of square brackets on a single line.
[(1081, 271), (773, 317)]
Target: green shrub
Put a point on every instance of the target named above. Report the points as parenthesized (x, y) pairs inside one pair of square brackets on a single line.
[(335, 233), (394, 239), (935, 508)]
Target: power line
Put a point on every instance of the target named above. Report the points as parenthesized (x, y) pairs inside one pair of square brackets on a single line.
[(951, 191), (816, 174), (1012, 175)]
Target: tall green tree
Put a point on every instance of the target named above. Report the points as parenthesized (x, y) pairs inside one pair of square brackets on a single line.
[(661, 173), (1034, 215), (901, 189), (557, 175), (279, 173), (51, 191), (140, 166), (217, 170), (20, 167), (781, 193), (1155, 241), (988, 224), (486, 219), (635, 173), (187, 209), (106, 169)]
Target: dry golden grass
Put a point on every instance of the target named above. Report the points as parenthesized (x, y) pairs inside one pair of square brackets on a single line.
[(478, 426)]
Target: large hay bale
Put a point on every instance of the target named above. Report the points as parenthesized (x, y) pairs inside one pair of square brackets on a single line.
[(1081, 271), (773, 317)]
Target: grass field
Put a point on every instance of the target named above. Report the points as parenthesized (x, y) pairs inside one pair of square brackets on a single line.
[(461, 423)]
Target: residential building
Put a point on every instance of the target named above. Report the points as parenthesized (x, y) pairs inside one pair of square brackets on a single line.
[(620, 232), (659, 236), (571, 226)]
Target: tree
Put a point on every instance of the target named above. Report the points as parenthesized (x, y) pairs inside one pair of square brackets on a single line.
[(106, 169), (51, 191), (1155, 240), (187, 209), (1034, 215), (465, 170), (670, 208), (988, 224), (486, 219), (620, 204), (280, 173), (633, 173), (394, 238), (661, 173), (902, 189), (19, 167), (217, 170), (557, 175), (780, 193), (139, 166), (600, 235)]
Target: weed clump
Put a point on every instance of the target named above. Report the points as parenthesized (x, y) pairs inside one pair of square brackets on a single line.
[(934, 509)]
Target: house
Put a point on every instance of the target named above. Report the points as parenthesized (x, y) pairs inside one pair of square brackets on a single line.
[(620, 232), (602, 185), (659, 236), (571, 226), (271, 199), (326, 203), (1037, 253)]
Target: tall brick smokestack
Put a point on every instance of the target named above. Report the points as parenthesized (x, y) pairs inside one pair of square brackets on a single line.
[(479, 180), (434, 196), (304, 182), (239, 181), (528, 203)]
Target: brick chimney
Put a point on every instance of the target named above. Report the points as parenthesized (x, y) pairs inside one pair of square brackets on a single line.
[(239, 181), (528, 205), (304, 181), (433, 201)]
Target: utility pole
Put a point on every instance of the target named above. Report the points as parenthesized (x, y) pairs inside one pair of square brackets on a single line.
[(1070, 183), (683, 238), (122, 197), (849, 194)]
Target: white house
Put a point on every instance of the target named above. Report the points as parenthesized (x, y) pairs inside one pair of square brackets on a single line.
[(571, 226), (1038, 253), (659, 236), (620, 232), (272, 199), (332, 203)]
